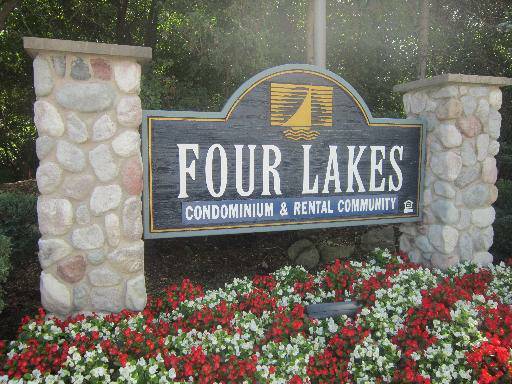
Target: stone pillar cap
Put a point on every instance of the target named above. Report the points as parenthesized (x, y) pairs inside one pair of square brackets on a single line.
[(34, 45), (452, 78)]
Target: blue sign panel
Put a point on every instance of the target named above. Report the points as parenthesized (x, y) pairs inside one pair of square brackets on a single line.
[(295, 147)]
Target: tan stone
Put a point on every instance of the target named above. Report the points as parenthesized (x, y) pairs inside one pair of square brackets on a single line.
[(72, 269), (132, 175), (452, 109), (469, 126)]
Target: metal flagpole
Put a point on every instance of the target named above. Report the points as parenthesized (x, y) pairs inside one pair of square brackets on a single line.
[(320, 39)]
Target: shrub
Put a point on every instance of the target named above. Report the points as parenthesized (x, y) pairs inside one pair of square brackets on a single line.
[(502, 247), (5, 265), (18, 221)]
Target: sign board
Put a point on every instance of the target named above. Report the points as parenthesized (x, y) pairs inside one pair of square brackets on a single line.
[(294, 148)]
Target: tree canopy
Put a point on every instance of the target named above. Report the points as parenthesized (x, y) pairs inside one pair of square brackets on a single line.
[(204, 49)]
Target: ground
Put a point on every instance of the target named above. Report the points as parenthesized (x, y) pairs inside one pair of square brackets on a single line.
[(210, 261)]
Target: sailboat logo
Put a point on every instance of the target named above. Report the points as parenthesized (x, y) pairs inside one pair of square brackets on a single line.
[(300, 108)]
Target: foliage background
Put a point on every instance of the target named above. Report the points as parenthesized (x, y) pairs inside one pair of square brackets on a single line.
[(204, 49)]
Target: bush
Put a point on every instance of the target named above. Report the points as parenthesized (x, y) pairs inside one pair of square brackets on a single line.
[(502, 247), (5, 265), (18, 221)]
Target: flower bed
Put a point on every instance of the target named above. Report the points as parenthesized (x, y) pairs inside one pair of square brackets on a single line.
[(416, 326)]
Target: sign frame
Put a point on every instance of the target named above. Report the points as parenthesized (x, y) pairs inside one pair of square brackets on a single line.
[(224, 115)]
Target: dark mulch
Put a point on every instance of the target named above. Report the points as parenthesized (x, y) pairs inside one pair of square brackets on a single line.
[(24, 186), (210, 261)]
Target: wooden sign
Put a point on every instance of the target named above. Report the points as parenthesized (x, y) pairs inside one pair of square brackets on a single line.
[(295, 147)]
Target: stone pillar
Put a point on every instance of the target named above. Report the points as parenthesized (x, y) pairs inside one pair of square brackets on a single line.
[(87, 116), (463, 125)]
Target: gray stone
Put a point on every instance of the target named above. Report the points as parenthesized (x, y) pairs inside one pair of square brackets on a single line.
[(418, 102), (96, 256), (495, 98), (447, 91), (105, 198), (80, 69), (83, 217), (405, 243), (47, 119), (428, 216), (104, 128), (466, 247), (483, 259), (483, 110), (446, 165), (449, 135), (48, 176), (43, 78), (443, 261), (127, 143), (127, 75), (132, 218), (463, 89), (489, 170), (44, 145), (478, 91), (331, 252), (476, 195), (128, 259), (51, 251), (482, 144), (434, 145), (76, 128), (431, 106), (449, 110), (483, 238), (136, 293), (55, 216), (103, 163), (308, 258), (107, 299), (415, 256), (55, 296), (112, 229), (383, 237), (70, 157), (427, 196), (483, 217), (410, 229), (103, 277), (468, 104), (443, 237), (468, 175), (77, 186), (431, 120), (129, 111), (445, 211), (85, 97), (59, 65), (81, 298), (493, 126), (87, 238), (494, 148), (444, 189), (468, 153), (423, 243), (465, 219)]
